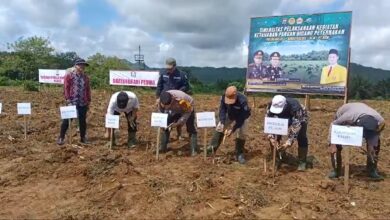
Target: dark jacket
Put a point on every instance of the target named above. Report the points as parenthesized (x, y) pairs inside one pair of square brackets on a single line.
[(296, 115), (238, 112), (175, 81)]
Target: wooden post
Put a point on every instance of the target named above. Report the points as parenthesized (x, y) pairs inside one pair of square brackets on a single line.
[(158, 143), (307, 102), (254, 103), (25, 127), (347, 150), (70, 131), (265, 163), (205, 143)]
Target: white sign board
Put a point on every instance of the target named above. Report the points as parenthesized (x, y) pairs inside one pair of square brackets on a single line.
[(278, 126), (68, 112), (1, 107), (24, 108), (347, 135), (112, 121), (51, 76), (134, 78), (205, 119), (159, 120)]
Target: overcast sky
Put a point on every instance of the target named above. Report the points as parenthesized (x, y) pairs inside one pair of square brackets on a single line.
[(196, 33)]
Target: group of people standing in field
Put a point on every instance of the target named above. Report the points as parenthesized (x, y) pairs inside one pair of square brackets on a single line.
[(173, 98)]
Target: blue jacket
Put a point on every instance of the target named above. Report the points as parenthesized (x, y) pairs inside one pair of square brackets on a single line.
[(238, 112), (175, 81)]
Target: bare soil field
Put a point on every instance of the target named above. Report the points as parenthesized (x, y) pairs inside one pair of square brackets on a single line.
[(38, 179)]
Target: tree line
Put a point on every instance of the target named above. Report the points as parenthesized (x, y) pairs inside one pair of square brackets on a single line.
[(20, 63)]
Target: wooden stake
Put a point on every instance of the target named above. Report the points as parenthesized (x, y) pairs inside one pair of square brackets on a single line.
[(70, 131), (158, 143), (205, 143), (346, 169), (307, 102), (274, 163), (111, 137), (25, 127)]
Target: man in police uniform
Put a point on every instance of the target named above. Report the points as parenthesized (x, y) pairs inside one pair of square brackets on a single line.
[(172, 79), (257, 70), (274, 71), (334, 74)]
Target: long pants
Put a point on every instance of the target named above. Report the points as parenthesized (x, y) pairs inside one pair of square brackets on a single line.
[(302, 137), (82, 116)]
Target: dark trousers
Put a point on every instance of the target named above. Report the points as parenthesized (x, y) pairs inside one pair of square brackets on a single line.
[(190, 123), (129, 127), (82, 116)]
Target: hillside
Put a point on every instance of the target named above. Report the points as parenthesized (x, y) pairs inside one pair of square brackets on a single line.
[(212, 74)]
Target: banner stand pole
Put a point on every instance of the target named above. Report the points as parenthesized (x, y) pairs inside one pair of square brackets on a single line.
[(307, 102), (347, 150)]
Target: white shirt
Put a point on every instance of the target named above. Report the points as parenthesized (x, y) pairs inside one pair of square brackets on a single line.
[(131, 104)]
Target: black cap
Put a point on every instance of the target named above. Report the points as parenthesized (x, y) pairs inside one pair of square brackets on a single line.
[(165, 98), (80, 61), (122, 99), (333, 51), (259, 52), (275, 54)]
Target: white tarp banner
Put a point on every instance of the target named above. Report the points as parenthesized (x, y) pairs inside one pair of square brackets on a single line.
[(51, 76), (134, 78)]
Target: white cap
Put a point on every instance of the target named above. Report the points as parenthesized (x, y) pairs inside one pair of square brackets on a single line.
[(278, 103)]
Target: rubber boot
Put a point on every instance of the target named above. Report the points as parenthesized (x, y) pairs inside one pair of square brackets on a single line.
[(240, 150), (164, 139), (337, 164), (194, 145), (372, 170), (131, 139), (215, 142), (302, 154)]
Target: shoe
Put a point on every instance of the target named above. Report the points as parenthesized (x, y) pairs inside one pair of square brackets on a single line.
[(60, 141), (84, 141)]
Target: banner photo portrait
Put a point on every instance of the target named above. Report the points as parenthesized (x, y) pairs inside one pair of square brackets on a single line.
[(134, 78), (302, 54)]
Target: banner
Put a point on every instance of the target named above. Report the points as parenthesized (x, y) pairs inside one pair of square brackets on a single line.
[(52, 76), (134, 78), (307, 53)]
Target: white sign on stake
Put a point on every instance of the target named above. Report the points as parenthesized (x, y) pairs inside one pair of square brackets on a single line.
[(278, 126), (205, 119), (1, 107), (24, 108), (159, 120), (68, 112), (347, 135), (112, 121)]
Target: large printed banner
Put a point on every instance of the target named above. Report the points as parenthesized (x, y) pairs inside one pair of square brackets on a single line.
[(134, 78), (51, 76), (305, 53)]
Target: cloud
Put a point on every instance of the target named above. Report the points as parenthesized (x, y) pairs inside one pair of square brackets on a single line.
[(196, 33)]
